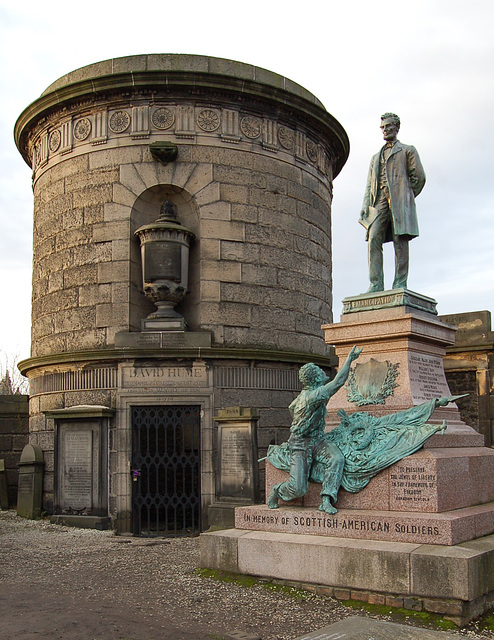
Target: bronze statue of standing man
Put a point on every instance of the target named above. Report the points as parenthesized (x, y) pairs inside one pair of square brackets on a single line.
[(396, 178)]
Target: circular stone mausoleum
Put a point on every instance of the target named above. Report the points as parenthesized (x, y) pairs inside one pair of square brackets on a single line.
[(244, 159)]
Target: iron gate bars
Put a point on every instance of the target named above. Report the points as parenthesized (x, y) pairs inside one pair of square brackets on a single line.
[(166, 470)]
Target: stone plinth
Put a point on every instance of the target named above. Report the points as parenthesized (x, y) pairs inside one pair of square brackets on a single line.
[(449, 528), (420, 534), (401, 364), (454, 580), (431, 480)]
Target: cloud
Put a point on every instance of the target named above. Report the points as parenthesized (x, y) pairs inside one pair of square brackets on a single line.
[(431, 62)]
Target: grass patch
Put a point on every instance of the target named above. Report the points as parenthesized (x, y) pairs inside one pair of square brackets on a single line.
[(399, 614), (249, 581), (486, 622), (223, 576), (299, 594)]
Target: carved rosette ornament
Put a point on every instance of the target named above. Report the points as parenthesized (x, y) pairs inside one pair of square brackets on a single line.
[(371, 382), (55, 141), (119, 121), (184, 121), (311, 149), (208, 120), (82, 129), (251, 127), (163, 118), (286, 137)]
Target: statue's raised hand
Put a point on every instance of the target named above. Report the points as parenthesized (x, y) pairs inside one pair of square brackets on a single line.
[(354, 353)]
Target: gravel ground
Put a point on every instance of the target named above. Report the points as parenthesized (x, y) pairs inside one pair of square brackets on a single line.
[(81, 584)]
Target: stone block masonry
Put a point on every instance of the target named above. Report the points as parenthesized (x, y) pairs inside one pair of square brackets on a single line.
[(252, 179), (14, 435)]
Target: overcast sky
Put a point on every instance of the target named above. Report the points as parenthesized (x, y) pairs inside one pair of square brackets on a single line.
[(432, 62)]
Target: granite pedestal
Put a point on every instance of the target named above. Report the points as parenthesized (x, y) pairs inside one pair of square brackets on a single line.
[(421, 534), (401, 365)]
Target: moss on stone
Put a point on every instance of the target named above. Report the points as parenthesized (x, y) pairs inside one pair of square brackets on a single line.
[(400, 614)]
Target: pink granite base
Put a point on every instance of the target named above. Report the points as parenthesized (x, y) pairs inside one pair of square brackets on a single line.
[(412, 341), (448, 528), (430, 481)]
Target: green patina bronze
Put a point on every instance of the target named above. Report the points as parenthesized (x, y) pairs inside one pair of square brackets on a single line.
[(306, 446), (361, 446), (396, 177), (372, 382)]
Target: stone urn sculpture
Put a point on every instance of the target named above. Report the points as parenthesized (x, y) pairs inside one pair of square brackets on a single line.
[(165, 268)]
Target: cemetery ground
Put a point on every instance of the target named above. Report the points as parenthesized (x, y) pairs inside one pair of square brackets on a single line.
[(81, 584)]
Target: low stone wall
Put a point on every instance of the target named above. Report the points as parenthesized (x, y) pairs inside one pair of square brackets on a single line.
[(14, 435), (469, 368)]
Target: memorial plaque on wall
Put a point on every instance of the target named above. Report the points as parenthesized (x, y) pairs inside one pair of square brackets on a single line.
[(77, 473), (79, 477), (237, 445)]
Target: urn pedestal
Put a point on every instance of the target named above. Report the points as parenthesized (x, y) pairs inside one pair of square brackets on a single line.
[(165, 268)]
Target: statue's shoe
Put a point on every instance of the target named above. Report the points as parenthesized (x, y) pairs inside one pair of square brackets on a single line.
[(272, 501), (375, 288)]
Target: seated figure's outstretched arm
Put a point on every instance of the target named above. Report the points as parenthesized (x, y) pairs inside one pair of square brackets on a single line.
[(442, 402), (342, 375)]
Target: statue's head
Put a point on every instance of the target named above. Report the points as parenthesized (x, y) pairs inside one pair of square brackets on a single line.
[(312, 376), (390, 125)]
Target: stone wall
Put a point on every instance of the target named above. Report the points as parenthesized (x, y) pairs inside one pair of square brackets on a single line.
[(261, 270), (14, 430), (469, 367)]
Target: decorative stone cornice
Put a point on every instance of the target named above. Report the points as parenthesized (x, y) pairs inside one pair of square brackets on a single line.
[(27, 367), (154, 96)]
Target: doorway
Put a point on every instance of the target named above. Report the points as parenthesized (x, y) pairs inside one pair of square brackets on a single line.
[(166, 493)]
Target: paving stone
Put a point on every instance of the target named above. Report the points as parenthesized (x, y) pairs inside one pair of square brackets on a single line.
[(356, 628)]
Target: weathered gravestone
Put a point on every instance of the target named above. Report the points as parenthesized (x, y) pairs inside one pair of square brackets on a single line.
[(30, 482), (81, 481), (238, 476), (4, 496), (356, 628)]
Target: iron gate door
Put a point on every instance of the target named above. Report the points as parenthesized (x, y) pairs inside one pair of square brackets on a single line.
[(166, 470)]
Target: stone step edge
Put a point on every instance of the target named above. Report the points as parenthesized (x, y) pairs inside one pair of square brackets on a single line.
[(220, 551), (461, 612), (446, 528)]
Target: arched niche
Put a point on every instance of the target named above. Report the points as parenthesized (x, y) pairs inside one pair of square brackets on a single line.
[(146, 209)]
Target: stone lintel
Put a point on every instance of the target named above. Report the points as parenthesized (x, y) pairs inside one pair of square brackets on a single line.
[(82, 411), (235, 414)]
